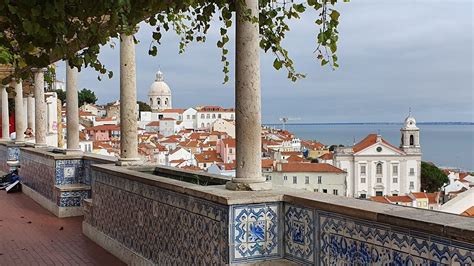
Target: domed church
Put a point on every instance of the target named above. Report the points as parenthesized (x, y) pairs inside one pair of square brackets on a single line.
[(159, 94)]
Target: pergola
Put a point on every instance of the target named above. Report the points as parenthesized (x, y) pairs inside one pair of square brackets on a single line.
[(247, 70)]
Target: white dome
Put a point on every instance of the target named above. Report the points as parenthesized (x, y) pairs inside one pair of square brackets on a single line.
[(159, 87), (410, 122)]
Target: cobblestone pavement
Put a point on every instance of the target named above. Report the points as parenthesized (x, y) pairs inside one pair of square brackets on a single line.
[(30, 235)]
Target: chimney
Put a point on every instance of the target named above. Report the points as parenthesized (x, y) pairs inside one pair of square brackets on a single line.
[(379, 138)]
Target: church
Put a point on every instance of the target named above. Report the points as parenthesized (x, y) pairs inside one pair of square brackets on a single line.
[(159, 94), (375, 167)]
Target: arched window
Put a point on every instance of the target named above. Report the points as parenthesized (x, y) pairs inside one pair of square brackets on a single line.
[(412, 140), (208, 125), (402, 140), (151, 101), (166, 101), (158, 101), (202, 125), (378, 169)]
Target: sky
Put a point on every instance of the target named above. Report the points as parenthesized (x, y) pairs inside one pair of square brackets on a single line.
[(393, 55)]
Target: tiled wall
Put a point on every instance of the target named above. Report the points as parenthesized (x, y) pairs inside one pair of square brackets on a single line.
[(165, 227), (3, 158), (345, 240), (38, 172)]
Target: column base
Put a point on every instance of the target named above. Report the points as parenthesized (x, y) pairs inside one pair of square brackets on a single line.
[(129, 162), (73, 152), (248, 186)]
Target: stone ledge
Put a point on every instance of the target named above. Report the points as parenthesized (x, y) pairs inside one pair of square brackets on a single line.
[(48, 153), (72, 187)]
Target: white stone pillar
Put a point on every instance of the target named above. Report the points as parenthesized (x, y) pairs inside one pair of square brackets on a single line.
[(5, 115), (25, 110), (128, 102), (40, 108), (20, 125), (72, 110), (30, 101), (248, 101)]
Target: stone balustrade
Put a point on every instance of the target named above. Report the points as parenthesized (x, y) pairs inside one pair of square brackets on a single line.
[(146, 218)]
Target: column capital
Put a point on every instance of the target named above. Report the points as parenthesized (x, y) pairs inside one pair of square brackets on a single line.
[(41, 69)]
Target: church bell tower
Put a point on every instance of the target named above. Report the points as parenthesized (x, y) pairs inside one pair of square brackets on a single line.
[(410, 136)]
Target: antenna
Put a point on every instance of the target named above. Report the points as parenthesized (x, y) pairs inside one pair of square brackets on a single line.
[(285, 120), (409, 111)]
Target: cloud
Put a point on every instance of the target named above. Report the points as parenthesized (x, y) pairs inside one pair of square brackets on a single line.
[(393, 55)]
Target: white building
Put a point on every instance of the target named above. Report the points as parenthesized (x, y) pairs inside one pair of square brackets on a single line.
[(318, 177), (206, 115), (189, 118), (159, 94), (227, 126), (376, 168)]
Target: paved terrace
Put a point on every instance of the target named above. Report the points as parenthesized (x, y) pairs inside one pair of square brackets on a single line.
[(30, 235)]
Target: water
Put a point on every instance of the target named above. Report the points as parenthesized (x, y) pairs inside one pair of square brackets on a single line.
[(446, 145)]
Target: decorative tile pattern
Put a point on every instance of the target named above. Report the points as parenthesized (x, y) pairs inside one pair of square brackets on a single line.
[(69, 172), (299, 234), (38, 173), (72, 198), (13, 153), (4, 158), (352, 241), (165, 227), (254, 232)]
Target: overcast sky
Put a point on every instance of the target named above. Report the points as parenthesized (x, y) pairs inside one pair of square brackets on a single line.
[(392, 54)]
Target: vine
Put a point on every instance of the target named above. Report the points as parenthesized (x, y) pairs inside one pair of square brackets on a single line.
[(37, 33)]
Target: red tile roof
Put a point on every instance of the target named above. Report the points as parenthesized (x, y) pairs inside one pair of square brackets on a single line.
[(153, 124), (469, 212), (395, 199), (176, 110), (368, 141), (229, 142), (327, 156), (294, 159), (382, 199), (267, 163), (309, 167)]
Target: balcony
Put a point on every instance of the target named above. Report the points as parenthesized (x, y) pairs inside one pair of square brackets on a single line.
[(148, 215)]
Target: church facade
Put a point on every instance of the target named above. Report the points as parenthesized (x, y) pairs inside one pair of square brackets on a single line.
[(375, 167)]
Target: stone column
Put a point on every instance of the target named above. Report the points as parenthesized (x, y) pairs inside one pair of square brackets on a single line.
[(128, 102), (72, 110), (20, 125), (5, 115), (30, 101), (40, 108), (248, 101)]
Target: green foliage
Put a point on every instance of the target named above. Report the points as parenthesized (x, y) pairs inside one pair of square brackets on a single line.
[(432, 178), (37, 33), (143, 107), (86, 96), (61, 95)]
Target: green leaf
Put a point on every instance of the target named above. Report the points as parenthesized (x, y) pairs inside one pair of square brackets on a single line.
[(277, 64)]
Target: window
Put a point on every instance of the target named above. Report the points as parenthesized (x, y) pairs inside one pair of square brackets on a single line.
[(362, 180), (412, 185), (378, 193), (188, 117), (213, 115), (269, 177), (202, 124), (378, 169), (295, 180), (158, 101), (320, 179), (316, 190), (208, 116), (362, 169), (395, 170), (363, 196), (306, 179), (285, 178), (394, 194), (151, 101), (325, 191), (230, 150), (202, 115), (334, 191), (232, 116), (395, 180), (194, 116), (379, 180), (412, 171), (205, 164), (412, 140), (219, 116)]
